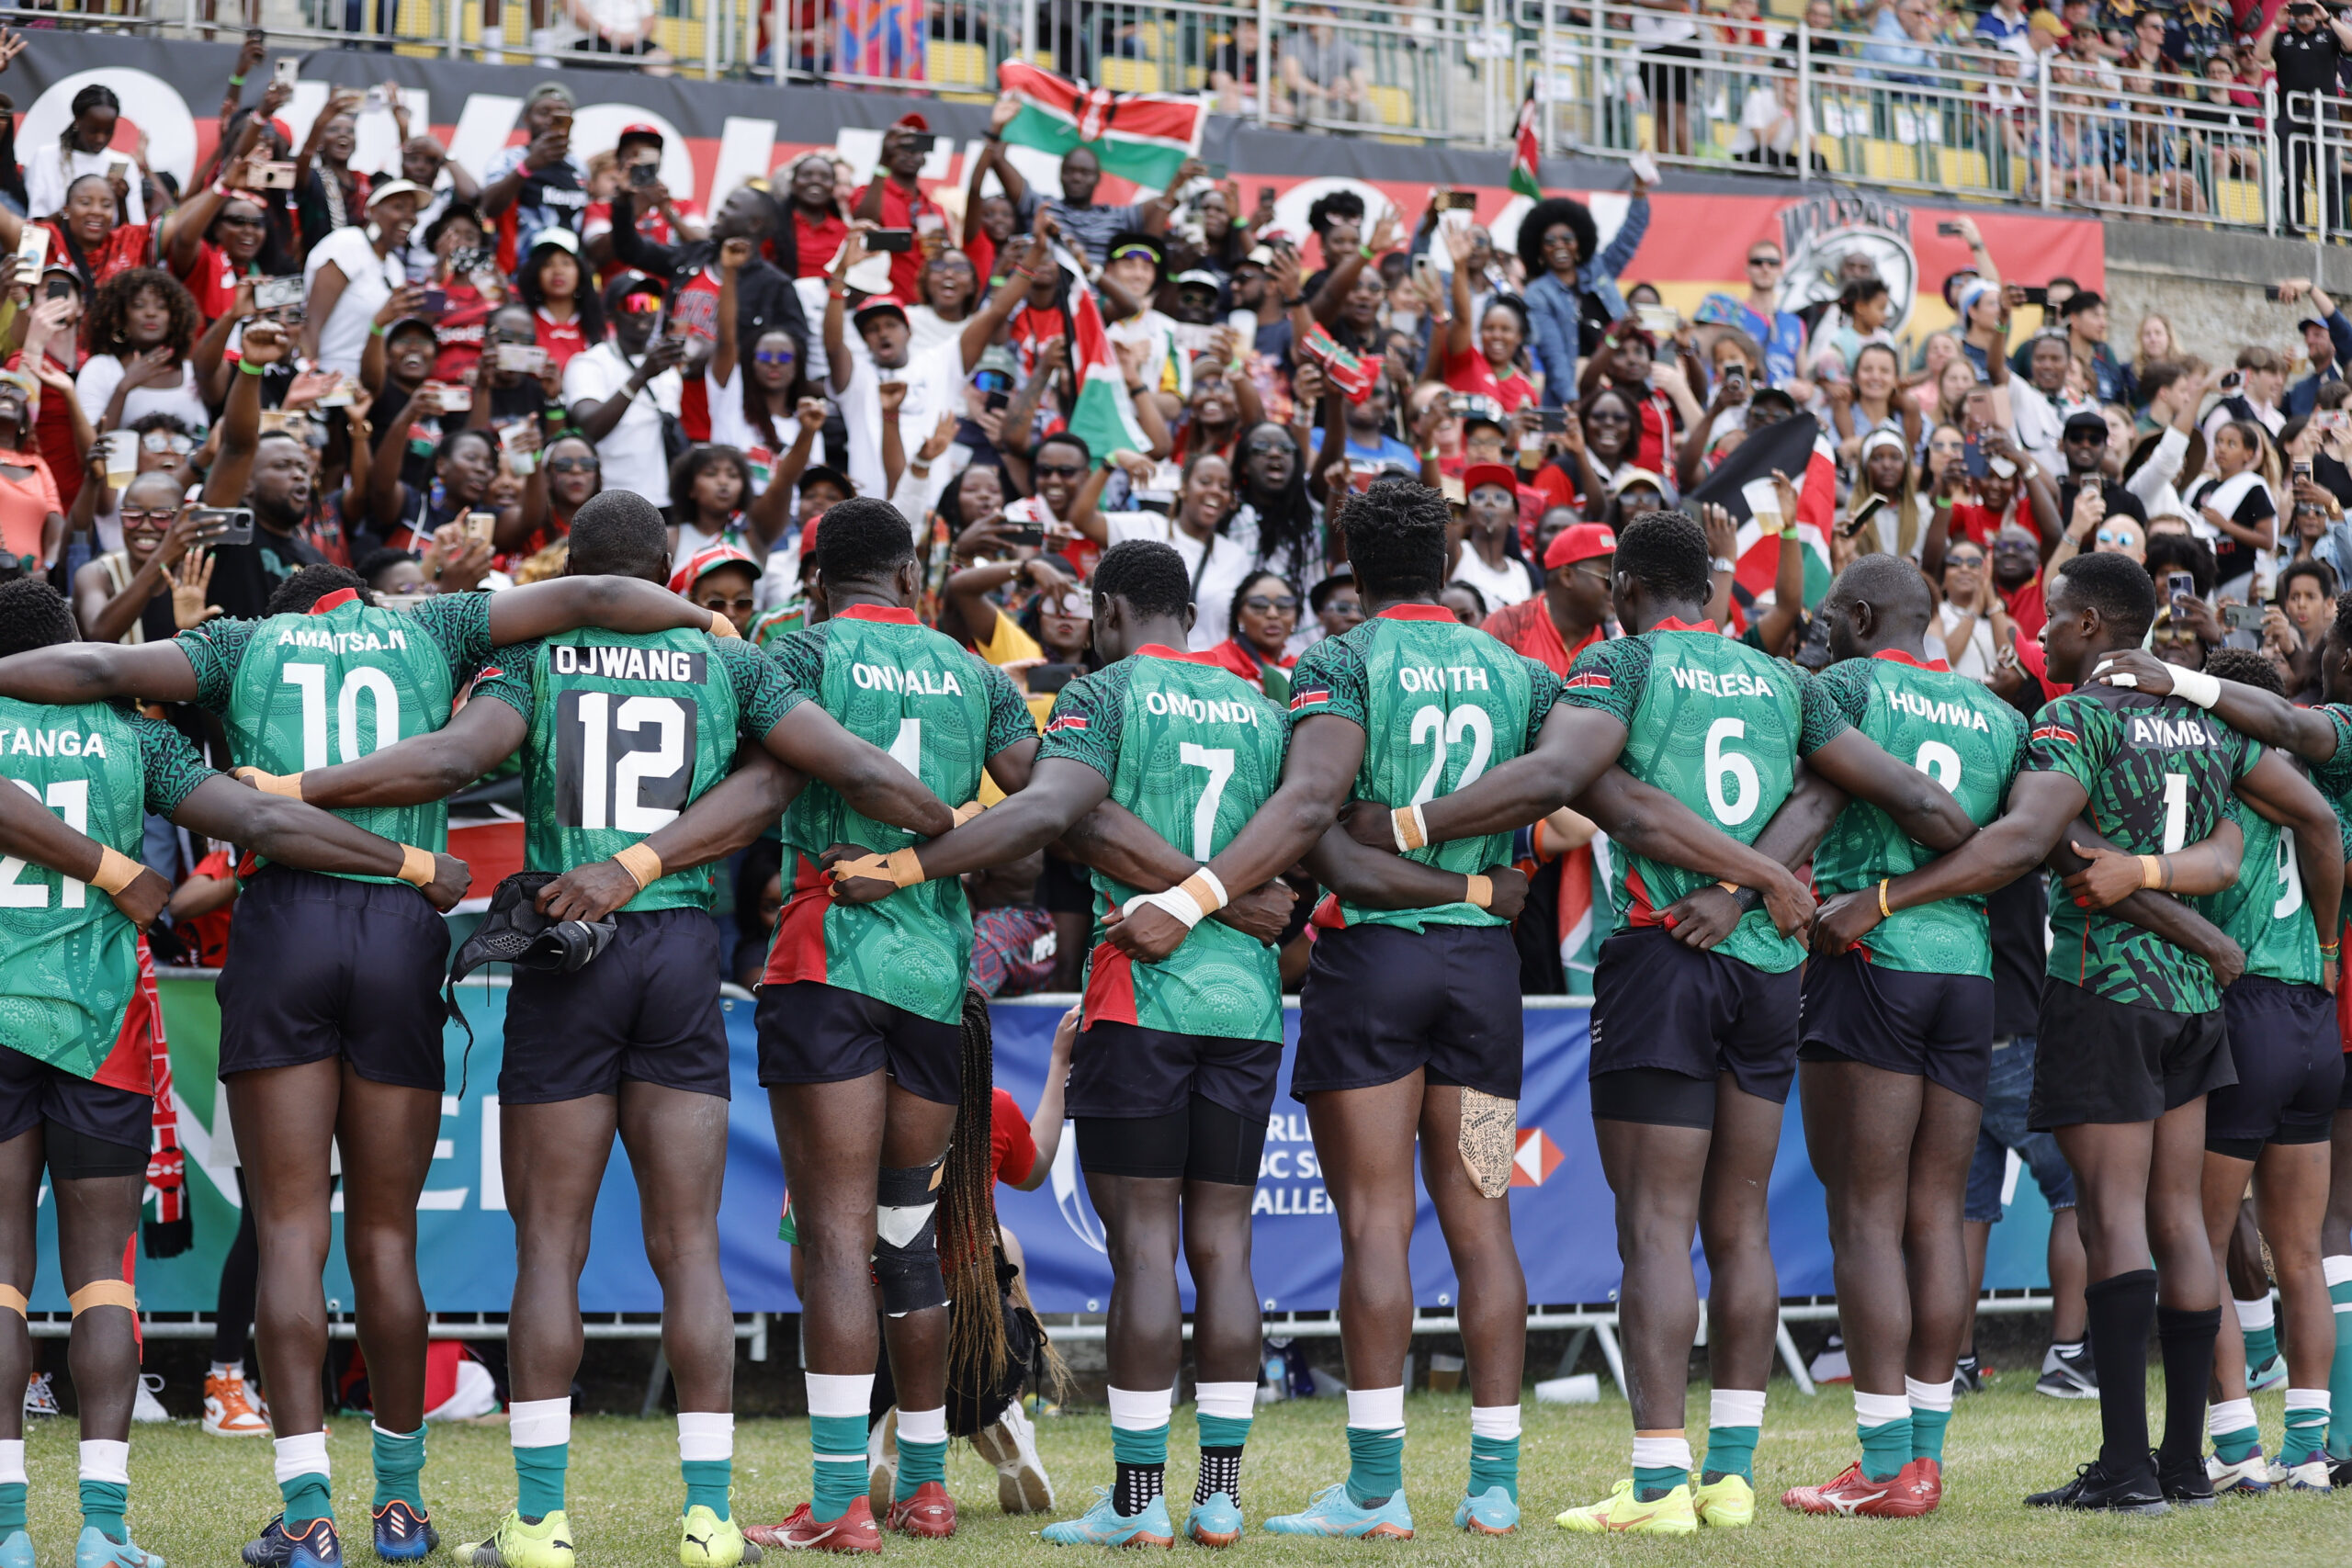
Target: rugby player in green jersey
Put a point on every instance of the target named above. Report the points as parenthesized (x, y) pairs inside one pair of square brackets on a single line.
[(860, 1022), (80, 1013), (2131, 1012), (331, 1009), (617, 733), (2278, 1113), (1172, 1078), (1401, 1034)]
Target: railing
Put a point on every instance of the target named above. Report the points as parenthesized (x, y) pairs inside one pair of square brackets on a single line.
[(2315, 142)]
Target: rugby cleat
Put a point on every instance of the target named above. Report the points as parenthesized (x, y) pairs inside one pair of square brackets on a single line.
[(41, 1395), (1491, 1512), (229, 1411), (2250, 1477), (317, 1546), (98, 1550), (1217, 1522), (403, 1535), (16, 1552), (1104, 1525), (2184, 1485), (1620, 1514), (1011, 1444), (2309, 1476), (2068, 1376), (1728, 1502), (519, 1542), (929, 1514), (800, 1530), (1926, 1477), (144, 1405), (706, 1541), (2096, 1489), (1855, 1496), (2271, 1374), (1330, 1513)]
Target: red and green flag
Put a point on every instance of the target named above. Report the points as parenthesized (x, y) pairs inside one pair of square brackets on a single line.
[(1527, 150), (1140, 137), (1104, 417)]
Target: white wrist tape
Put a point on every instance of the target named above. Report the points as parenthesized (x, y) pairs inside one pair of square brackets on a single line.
[(2196, 686), (1412, 837), (1176, 901)]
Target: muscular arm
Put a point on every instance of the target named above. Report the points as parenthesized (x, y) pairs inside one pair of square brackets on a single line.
[(1919, 805), (1377, 881), (2040, 806), (1649, 822), (1113, 841), (2251, 711), (729, 817), (1059, 792), (90, 673), (423, 767), (568, 604), (1572, 749), (810, 742), (288, 831), (31, 832), (2160, 914), (1325, 752)]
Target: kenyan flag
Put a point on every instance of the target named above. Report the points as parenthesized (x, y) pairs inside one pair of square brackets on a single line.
[(1104, 417), (1526, 152), (1140, 137)]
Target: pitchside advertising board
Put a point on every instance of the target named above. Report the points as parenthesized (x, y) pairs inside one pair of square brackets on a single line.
[(718, 134), (1560, 1206)]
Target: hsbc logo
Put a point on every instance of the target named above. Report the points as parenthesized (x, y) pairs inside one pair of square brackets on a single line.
[(1536, 1158)]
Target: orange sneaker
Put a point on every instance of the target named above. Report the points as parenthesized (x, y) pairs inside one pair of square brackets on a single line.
[(853, 1531), (229, 1410), (1853, 1494), (930, 1513)]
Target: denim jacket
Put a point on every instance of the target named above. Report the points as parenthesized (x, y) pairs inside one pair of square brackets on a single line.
[(1555, 311)]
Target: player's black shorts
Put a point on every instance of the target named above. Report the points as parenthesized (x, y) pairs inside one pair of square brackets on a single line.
[(1658, 1004), (1939, 1027), (1122, 1070), (812, 1032), (323, 966), (1198, 1141), (91, 1129), (647, 1010), (2290, 1066), (2114, 1062), (1380, 1001)]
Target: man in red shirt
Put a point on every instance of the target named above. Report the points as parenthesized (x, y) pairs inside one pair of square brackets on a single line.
[(2017, 575), (893, 198), (1562, 621), (660, 217)]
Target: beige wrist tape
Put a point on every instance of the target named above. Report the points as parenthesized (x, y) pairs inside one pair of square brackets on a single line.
[(12, 1299), (1481, 892), (416, 865), (640, 860), (903, 867), (1410, 829), (1204, 888), (288, 784), (103, 1293), (2152, 870), (116, 871), (968, 810), (721, 626)]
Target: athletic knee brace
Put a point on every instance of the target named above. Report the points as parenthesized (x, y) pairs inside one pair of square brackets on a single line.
[(905, 1239)]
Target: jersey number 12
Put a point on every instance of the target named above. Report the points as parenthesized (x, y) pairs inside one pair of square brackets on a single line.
[(622, 763)]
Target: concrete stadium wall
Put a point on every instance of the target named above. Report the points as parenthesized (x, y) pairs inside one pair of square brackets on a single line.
[(2209, 283)]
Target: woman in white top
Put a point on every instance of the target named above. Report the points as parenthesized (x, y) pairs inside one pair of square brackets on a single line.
[(947, 289), (1898, 523), (1489, 517), (1973, 625), (1217, 564), (81, 150), (1872, 402), (352, 272), (142, 324)]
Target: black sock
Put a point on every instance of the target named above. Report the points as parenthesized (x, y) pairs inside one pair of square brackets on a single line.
[(2122, 1309), (1220, 1471), (2186, 1340), (1137, 1485)]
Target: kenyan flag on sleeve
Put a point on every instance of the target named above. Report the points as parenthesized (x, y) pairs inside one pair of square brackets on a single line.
[(1140, 137)]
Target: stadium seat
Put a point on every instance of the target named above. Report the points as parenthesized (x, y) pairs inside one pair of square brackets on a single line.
[(1964, 170), (1393, 106), (957, 64), (1130, 75), (2238, 201), (1885, 160)]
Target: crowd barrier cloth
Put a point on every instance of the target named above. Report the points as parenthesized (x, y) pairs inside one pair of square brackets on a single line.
[(1561, 1207)]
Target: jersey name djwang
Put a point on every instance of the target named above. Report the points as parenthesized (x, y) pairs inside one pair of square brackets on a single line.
[(2184, 731), (1452, 677), (329, 640), (921, 683), (1723, 683), (1937, 712), (21, 742), (630, 663)]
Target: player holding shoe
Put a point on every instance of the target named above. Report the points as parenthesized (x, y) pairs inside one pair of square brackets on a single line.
[(330, 1013), (2132, 993), (74, 1078), (860, 1019), (2273, 1125)]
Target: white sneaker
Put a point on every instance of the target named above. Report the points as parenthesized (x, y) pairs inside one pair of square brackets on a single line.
[(882, 1461), (2250, 1475), (1011, 1444), (1830, 1365), (2309, 1476), (40, 1395), (229, 1408), (144, 1405)]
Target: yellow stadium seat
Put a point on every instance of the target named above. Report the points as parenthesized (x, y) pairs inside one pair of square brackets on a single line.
[(1832, 150), (1393, 105), (1963, 169), (957, 64), (1130, 75), (2238, 201), (1884, 160)]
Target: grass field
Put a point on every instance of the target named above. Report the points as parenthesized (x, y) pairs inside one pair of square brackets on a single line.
[(195, 1499)]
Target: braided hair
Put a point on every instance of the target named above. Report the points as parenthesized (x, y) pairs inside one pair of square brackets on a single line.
[(975, 1350)]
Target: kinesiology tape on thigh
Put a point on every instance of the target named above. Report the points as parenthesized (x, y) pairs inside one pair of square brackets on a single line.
[(905, 1239)]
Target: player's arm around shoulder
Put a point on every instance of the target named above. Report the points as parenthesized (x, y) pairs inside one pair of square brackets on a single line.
[(2316, 735)]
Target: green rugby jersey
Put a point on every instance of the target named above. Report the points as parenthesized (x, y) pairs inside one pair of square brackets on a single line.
[(1440, 702), (2335, 776), (1194, 751), (1718, 725), (309, 691), (70, 963), (1958, 733), (943, 714), (2159, 773), (625, 730), (2263, 911)]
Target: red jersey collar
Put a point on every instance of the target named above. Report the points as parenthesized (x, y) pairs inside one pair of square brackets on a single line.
[(1896, 656), (1676, 624), (334, 601), (1161, 650), (1415, 613), (895, 614)]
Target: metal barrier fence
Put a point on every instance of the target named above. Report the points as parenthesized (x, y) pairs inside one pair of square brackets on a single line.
[(1693, 90)]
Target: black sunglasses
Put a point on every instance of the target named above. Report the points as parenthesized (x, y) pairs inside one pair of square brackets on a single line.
[(1059, 471), (1261, 604)]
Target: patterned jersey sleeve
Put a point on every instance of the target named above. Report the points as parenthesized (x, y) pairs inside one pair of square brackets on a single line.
[(1086, 721), (2249, 753), (215, 649), (762, 694), (1008, 720), (799, 658), (1543, 694), (1608, 676), (171, 766), (509, 677), (1329, 678), (1835, 702), (2335, 776), (2016, 736), (2072, 737), (458, 625)]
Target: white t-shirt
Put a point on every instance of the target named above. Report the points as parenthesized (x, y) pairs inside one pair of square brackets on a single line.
[(2039, 425), (1506, 584), (1213, 584), (731, 427), (631, 452), (934, 385), (94, 387), (928, 329), (51, 170), (368, 281), (1976, 661), (1763, 123)]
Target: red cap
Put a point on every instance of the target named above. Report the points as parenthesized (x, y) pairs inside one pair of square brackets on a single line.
[(704, 561), (890, 303), (910, 121), (1489, 474), (640, 131), (1579, 541)]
